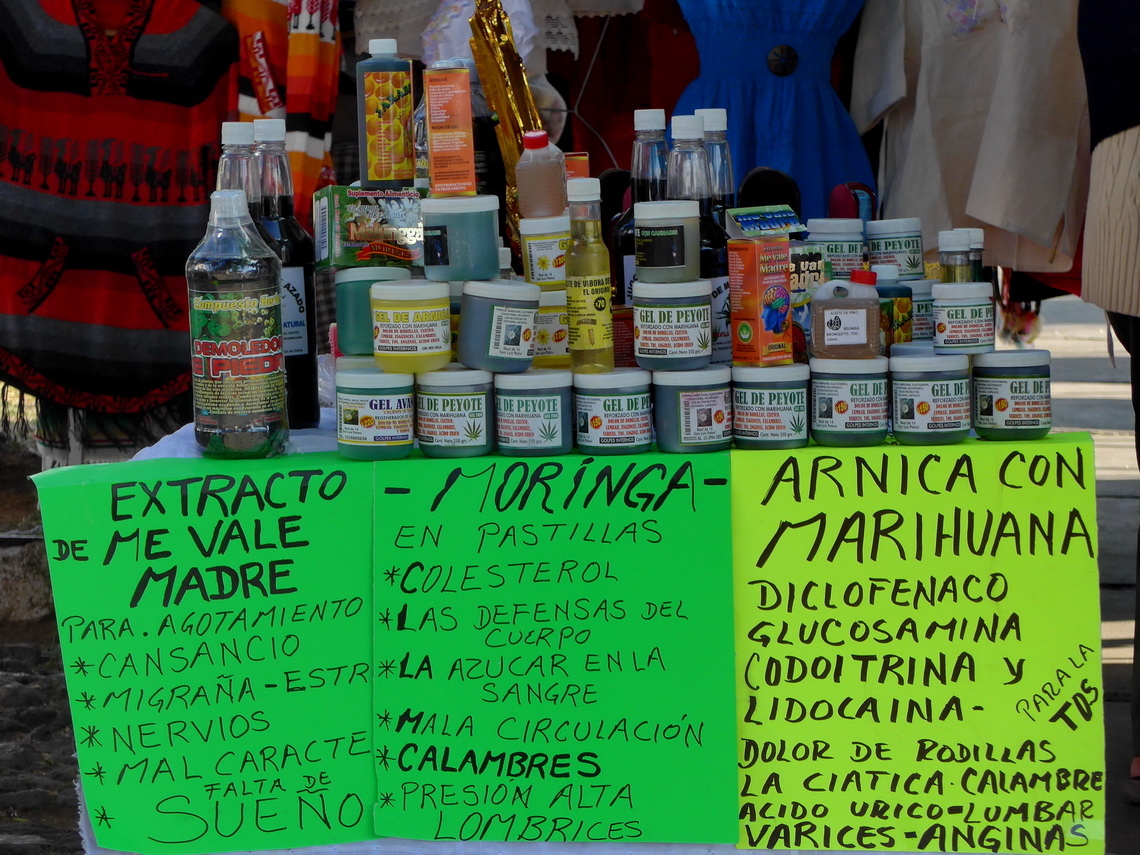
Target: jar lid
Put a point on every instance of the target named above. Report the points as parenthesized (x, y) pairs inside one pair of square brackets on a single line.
[(954, 240), (457, 376), (695, 288), (834, 226), (381, 47), (953, 362), (419, 290), (977, 238), (893, 288), (649, 120), (619, 378), (362, 372), (552, 298), (583, 190), (545, 225), (459, 205), (455, 289), (710, 375), (669, 209), (921, 287), (770, 373), (371, 274), (912, 348), (905, 225), (535, 378), (715, 118), (1012, 359), (884, 272), (502, 289), (962, 290), (874, 365)]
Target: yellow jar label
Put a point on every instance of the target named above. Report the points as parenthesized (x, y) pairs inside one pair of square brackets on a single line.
[(411, 332), (588, 303)]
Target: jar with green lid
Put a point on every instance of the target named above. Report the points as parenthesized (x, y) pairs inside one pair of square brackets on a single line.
[(667, 241), (692, 410), (672, 325), (930, 399), (1012, 395), (769, 406), (411, 326), (849, 401), (354, 305), (963, 317), (612, 412), (455, 414), (534, 413), (373, 411)]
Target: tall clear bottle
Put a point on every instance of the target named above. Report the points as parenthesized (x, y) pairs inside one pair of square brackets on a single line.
[(720, 161), (298, 290), (588, 282), (690, 178), (236, 171), (646, 184), (237, 363)]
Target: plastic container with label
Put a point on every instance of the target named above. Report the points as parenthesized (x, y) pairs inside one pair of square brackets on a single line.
[(895, 307), (849, 401), (1012, 395), (692, 410), (769, 406), (897, 242), (461, 237), (672, 325), (496, 325), (612, 412), (411, 326), (552, 331), (845, 318), (373, 411), (841, 241), (534, 413), (545, 242), (963, 317), (930, 399), (667, 241), (954, 255), (354, 305), (922, 309), (455, 414)]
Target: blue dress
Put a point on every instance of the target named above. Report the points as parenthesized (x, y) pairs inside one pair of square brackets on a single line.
[(768, 63)]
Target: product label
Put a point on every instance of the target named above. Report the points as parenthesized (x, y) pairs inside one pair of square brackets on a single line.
[(922, 324), (659, 246), (588, 303), (844, 255), (904, 251), (769, 414), (857, 405), (810, 267), (294, 312), (552, 333), (722, 321), (704, 415), (512, 332), (321, 226), (528, 421), (456, 420), (412, 331), (544, 258), (1012, 402), (844, 326), (605, 421), (435, 247), (450, 138), (929, 406), (377, 419), (895, 316), (387, 118), (237, 355), (675, 332), (624, 295), (759, 303), (968, 325)]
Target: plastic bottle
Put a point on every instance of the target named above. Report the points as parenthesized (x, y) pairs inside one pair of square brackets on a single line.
[(237, 363), (298, 292), (846, 318), (646, 184), (541, 177), (385, 107), (954, 255), (689, 178), (588, 281), (236, 171), (720, 160)]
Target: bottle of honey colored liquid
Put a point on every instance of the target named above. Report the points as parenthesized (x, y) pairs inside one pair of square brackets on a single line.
[(588, 281)]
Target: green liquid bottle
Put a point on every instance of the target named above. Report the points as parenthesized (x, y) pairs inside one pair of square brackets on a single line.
[(588, 282)]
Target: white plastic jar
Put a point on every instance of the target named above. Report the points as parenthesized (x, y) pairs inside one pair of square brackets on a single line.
[(667, 241), (544, 243), (841, 241), (897, 242), (963, 317)]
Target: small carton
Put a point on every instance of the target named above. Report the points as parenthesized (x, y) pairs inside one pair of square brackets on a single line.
[(577, 164), (357, 227), (450, 134)]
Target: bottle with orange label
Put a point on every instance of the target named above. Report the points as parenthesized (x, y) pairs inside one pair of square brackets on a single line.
[(384, 97)]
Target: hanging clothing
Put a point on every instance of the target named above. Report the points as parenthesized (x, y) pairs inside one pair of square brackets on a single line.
[(768, 63), (985, 122)]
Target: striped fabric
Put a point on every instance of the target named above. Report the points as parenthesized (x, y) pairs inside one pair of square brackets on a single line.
[(1111, 272)]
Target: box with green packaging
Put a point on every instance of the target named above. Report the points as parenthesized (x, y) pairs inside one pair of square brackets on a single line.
[(355, 227)]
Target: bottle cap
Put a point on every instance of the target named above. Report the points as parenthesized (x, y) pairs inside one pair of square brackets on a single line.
[(583, 190), (237, 133), (688, 128), (536, 139), (229, 206), (863, 277), (716, 118), (954, 240), (381, 47), (977, 238), (649, 120), (269, 130), (885, 272)]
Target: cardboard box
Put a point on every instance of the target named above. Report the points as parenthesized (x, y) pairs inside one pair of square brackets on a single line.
[(354, 227), (450, 134)]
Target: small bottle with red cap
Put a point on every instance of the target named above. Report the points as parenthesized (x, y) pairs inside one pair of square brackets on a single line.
[(541, 177)]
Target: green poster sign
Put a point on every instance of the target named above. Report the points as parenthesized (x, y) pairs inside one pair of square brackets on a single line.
[(918, 660), (554, 649)]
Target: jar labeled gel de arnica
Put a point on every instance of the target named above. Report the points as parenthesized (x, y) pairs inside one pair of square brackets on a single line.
[(672, 325), (692, 410), (552, 331), (454, 413), (461, 237), (612, 412), (354, 306), (930, 399), (533, 413), (1012, 397), (849, 401), (922, 305), (769, 406), (496, 325), (373, 411), (841, 241), (545, 242), (963, 317), (411, 326), (897, 242), (667, 241)]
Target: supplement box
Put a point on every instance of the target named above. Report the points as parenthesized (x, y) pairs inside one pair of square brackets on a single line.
[(355, 227), (451, 137), (760, 301), (809, 267)]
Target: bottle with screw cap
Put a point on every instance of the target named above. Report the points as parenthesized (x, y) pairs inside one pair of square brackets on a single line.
[(954, 255), (720, 160), (385, 107), (237, 171), (588, 286), (646, 184), (541, 177)]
